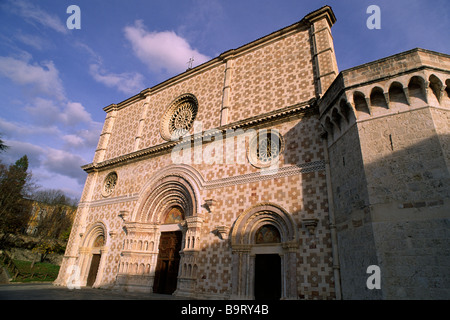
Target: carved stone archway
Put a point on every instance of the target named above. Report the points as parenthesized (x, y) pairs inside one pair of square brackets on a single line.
[(245, 248), (171, 189), (92, 254)]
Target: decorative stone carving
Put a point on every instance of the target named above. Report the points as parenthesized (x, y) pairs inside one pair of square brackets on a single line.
[(123, 215), (221, 232), (208, 204), (112, 234), (310, 224)]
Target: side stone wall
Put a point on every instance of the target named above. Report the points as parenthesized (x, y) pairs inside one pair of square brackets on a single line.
[(387, 125), (408, 186)]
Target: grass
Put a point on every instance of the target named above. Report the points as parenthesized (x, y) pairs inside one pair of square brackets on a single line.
[(39, 272)]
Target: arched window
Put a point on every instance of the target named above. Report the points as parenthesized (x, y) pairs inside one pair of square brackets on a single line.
[(377, 99), (360, 103), (416, 88), (336, 118), (396, 93), (345, 109), (329, 128), (447, 88), (436, 87)]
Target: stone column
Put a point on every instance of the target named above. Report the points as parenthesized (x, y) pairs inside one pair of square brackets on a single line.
[(324, 58), (137, 139), (226, 92), (187, 278), (290, 270), (240, 272), (84, 263), (100, 152)]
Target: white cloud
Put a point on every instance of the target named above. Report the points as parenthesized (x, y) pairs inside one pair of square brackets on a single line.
[(41, 79), (92, 54), (57, 134), (73, 140), (21, 137), (91, 135), (74, 113), (84, 138), (127, 82), (35, 15), (161, 51), (46, 112), (33, 41), (54, 168), (18, 149), (21, 130), (64, 163), (52, 116)]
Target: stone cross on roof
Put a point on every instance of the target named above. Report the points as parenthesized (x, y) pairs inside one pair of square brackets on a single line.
[(190, 62)]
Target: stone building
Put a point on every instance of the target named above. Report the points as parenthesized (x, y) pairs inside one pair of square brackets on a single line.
[(49, 214), (266, 173)]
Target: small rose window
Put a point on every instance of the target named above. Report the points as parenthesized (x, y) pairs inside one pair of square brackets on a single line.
[(265, 148), (109, 184)]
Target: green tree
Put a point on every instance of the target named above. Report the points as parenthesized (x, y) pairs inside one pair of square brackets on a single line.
[(3, 146), (15, 183), (45, 248)]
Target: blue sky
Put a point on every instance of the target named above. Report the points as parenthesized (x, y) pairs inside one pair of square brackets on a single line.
[(54, 82)]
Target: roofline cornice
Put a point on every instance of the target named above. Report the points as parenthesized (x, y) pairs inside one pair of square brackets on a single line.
[(324, 12)]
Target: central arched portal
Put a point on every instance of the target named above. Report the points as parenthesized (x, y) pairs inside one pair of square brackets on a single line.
[(163, 235)]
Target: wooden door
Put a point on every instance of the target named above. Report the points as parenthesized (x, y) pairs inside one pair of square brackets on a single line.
[(93, 270), (168, 262)]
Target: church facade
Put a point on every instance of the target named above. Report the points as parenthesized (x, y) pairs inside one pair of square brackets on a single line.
[(267, 173)]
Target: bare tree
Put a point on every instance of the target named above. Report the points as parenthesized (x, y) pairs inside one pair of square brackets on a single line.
[(56, 214)]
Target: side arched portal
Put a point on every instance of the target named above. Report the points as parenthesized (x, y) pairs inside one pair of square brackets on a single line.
[(264, 234), (92, 251)]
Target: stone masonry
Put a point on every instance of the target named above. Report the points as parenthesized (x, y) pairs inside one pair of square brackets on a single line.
[(354, 172), (387, 125)]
